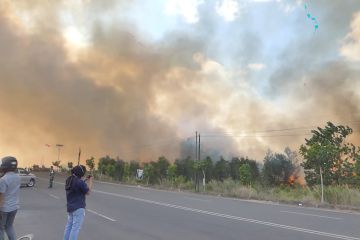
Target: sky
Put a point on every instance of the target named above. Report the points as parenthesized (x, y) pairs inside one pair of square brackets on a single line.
[(136, 79)]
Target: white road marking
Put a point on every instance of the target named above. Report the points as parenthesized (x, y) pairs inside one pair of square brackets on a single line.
[(349, 212), (54, 196), (313, 215), (197, 199), (304, 230), (101, 215)]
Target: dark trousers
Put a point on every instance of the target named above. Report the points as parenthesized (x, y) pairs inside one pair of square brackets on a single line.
[(50, 183), (6, 225)]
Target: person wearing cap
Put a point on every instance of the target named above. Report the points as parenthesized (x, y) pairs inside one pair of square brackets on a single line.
[(76, 191), (9, 196)]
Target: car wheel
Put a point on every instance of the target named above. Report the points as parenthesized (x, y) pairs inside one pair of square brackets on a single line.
[(31, 183)]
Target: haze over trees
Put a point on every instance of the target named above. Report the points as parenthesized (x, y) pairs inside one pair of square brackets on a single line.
[(327, 150)]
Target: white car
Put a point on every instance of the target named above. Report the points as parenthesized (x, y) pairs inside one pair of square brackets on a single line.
[(27, 178)]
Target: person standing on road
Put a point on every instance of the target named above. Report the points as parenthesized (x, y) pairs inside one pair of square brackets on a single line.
[(76, 189), (52, 176), (9, 197)]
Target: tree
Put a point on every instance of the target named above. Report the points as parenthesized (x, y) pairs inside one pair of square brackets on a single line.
[(110, 170), (221, 169), (235, 164), (185, 167), (127, 171), (134, 166), (161, 167), (90, 163), (119, 169), (327, 150), (62, 168), (205, 167), (56, 164), (149, 173), (254, 170), (355, 180), (171, 173), (70, 165), (245, 174), (104, 162), (277, 169), (209, 169)]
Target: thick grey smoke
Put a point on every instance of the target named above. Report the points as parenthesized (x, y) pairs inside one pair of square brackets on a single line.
[(128, 96)]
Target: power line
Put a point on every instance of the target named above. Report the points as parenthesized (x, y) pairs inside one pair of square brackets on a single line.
[(243, 134), (265, 131), (275, 130), (255, 136)]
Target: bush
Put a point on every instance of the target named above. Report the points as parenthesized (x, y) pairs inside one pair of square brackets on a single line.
[(339, 195)]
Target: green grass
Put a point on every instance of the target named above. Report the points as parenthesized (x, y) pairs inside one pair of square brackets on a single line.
[(334, 196)]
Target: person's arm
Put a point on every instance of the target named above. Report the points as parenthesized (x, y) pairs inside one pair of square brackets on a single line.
[(90, 185), (2, 191)]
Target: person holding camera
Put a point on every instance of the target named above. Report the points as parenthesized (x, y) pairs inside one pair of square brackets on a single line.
[(9, 196), (76, 191)]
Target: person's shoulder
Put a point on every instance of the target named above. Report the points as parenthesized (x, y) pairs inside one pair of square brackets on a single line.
[(13, 175), (10, 175), (79, 181), (82, 184)]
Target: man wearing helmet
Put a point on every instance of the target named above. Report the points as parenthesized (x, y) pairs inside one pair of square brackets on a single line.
[(76, 189), (9, 196)]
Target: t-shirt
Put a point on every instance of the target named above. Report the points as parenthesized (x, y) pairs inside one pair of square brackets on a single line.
[(75, 193), (52, 174), (10, 188)]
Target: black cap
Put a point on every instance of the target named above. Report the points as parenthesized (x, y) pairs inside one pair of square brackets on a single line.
[(8, 163), (79, 170)]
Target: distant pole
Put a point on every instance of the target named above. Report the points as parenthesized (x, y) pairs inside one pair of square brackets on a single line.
[(199, 148), (197, 172), (79, 156), (44, 154), (59, 146), (196, 141), (196, 138), (322, 185)]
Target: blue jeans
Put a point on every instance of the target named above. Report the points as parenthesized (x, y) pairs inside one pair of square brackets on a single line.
[(74, 222), (6, 224)]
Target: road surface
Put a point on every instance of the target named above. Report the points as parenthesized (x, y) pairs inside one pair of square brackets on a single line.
[(135, 213)]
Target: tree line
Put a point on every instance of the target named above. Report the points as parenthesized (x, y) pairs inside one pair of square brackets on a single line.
[(327, 154), (276, 169)]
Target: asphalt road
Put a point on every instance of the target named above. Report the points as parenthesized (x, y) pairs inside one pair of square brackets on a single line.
[(129, 213)]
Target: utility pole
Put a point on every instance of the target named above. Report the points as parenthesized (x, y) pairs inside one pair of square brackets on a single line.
[(197, 172), (59, 146), (322, 185), (196, 149), (196, 138), (199, 149), (79, 156)]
